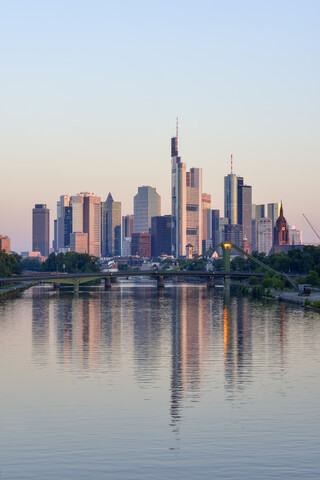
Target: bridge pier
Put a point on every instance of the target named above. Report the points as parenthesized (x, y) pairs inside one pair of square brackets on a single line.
[(210, 281), (107, 283), (160, 281), (76, 286)]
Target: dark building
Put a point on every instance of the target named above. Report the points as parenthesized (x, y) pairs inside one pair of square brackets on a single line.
[(141, 244), (280, 233), (215, 227), (40, 229), (233, 233), (67, 225), (244, 213), (161, 235)]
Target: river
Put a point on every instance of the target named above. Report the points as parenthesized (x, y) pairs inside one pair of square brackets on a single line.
[(133, 383)]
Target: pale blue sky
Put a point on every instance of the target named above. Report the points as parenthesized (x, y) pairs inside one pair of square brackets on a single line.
[(90, 91)]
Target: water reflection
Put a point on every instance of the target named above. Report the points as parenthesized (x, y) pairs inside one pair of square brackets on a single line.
[(142, 328)]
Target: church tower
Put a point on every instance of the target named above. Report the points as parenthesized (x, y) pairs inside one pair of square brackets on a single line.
[(280, 233)]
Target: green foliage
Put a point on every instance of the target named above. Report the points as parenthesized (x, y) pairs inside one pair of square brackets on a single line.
[(9, 264), (253, 281), (316, 304), (267, 282), (313, 278), (257, 291), (218, 264), (31, 264), (278, 283), (307, 302), (71, 262)]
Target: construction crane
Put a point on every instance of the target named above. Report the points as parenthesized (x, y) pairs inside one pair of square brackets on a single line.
[(311, 226)]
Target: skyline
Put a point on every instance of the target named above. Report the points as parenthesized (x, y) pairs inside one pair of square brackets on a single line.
[(91, 93)]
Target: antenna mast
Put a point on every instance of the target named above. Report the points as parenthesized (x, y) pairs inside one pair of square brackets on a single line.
[(231, 165)]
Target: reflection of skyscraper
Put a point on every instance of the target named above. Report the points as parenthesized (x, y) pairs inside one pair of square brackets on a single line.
[(40, 229), (40, 327)]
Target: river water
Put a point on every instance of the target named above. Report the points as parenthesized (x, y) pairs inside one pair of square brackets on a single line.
[(187, 383)]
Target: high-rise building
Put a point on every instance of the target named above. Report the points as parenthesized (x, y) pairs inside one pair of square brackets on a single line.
[(295, 235), (79, 242), (111, 227), (147, 204), (258, 211), (92, 222), (215, 228), (206, 217), (61, 205), (238, 205), (186, 201), (127, 226), (77, 212), (231, 198), (264, 235), (5, 243), (67, 225), (40, 229), (141, 244), (233, 233), (245, 213), (273, 212), (161, 236)]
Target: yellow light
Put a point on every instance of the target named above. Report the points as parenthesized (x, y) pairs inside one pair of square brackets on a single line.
[(227, 245)]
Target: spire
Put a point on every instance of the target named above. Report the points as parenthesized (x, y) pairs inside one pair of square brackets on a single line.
[(281, 210), (109, 198)]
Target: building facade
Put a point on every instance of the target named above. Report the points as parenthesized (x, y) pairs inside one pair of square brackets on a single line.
[(147, 204), (5, 243), (40, 229), (161, 236), (141, 244), (186, 204), (264, 235), (280, 233)]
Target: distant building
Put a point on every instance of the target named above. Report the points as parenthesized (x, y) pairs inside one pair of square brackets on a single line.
[(233, 233), (79, 242), (40, 229), (264, 235), (231, 198), (186, 204), (127, 226), (281, 233), (273, 212), (215, 215), (111, 227), (295, 236), (126, 246), (141, 244), (147, 204), (206, 217), (92, 222), (5, 243), (161, 235)]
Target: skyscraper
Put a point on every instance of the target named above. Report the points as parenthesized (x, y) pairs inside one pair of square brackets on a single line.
[(186, 204), (238, 206), (40, 229), (264, 235), (92, 222), (61, 205), (147, 204), (231, 198), (111, 227), (5, 243), (161, 235), (273, 212)]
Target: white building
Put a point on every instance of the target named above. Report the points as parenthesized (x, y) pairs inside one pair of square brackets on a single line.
[(264, 235)]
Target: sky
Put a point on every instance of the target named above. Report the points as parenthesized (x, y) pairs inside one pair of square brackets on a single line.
[(90, 92)]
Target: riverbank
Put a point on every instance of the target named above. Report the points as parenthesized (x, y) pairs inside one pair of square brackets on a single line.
[(15, 290), (294, 298)]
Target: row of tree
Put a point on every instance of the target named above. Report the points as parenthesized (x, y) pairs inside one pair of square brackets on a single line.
[(70, 262)]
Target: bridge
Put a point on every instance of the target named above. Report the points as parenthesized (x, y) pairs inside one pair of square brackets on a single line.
[(76, 279)]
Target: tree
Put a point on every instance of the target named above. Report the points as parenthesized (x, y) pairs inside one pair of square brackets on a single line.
[(71, 262), (10, 263)]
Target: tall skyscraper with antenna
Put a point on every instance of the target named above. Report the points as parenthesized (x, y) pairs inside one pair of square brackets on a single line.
[(186, 197)]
